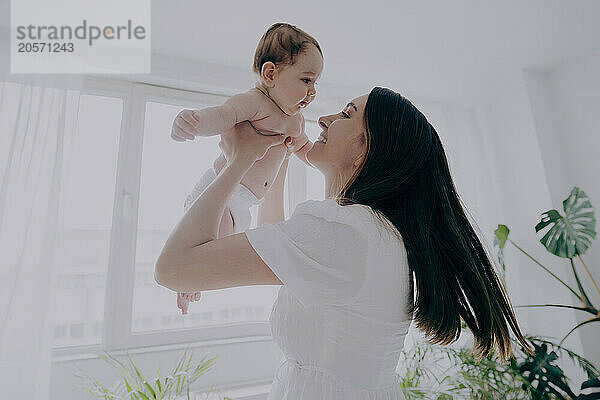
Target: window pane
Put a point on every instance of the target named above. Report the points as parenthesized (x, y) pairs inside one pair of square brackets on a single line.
[(170, 170), (315, 182), (83, 256)]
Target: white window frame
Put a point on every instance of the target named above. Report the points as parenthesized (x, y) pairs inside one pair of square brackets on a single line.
[(117, 333)]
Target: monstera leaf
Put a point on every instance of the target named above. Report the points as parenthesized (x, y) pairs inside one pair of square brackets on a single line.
[(592, 386), (547, 379), (569, 235)]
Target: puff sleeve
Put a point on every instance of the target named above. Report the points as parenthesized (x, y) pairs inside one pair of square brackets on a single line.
[(318, 254)]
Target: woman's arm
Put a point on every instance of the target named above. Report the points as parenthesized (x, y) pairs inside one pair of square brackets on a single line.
[(271, 210), (200, 224)]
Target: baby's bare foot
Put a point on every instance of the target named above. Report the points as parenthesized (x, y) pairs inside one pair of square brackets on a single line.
[(192, 296), (182, 303)]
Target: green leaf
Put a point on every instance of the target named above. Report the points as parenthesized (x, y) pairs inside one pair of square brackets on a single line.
[(177, 383), (594, 393), (130, 391), (158, 386), (501, 234), (152, 392), (587, 366), (137, 371), (572, 234), (142, 395), (547, 378)]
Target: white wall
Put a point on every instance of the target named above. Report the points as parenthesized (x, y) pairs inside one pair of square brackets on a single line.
[(565, 104), (510, 135), (537, 161)]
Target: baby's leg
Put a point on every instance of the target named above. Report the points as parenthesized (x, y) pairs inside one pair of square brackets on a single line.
[(225, 229)]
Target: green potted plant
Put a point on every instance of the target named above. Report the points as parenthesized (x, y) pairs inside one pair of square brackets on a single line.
[(135, 386), (567, 236), (434, 372)]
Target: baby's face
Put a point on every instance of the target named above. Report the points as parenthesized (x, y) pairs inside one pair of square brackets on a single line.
[(295, 84)]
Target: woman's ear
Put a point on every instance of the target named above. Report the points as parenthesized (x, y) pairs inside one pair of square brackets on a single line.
[(358, 161), (269, 73)]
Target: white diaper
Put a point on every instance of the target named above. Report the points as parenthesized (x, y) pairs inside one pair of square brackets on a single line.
[(239, 203)]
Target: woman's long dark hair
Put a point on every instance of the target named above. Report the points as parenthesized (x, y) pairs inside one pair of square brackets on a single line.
[(405, 177)]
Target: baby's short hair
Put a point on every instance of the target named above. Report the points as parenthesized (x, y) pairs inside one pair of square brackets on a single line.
[(280, 44)]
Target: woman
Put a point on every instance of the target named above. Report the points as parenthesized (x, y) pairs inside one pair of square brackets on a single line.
[(347, 263)]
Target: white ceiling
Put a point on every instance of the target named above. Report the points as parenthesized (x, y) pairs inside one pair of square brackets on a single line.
[(456, 51), (438, 49)]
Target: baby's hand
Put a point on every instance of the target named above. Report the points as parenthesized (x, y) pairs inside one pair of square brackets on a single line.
[(183, 300), (185, 126)]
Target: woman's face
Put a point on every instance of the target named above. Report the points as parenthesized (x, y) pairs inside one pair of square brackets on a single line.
[(345, 145)]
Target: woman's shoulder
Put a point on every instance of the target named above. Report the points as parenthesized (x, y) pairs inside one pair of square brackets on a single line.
[(360, 216), (330, 210)]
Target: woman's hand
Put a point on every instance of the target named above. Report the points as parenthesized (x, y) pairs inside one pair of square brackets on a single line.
[(243, 142)]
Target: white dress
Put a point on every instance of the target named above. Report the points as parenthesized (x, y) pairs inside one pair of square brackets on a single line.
[(339, 317)]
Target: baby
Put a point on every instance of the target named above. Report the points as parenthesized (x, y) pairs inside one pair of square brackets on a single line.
[(288, 61)]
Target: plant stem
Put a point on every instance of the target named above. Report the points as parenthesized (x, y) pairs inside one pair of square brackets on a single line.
[(547, 270), (584, 299), (597, 319), (589, 274), (591, 310)]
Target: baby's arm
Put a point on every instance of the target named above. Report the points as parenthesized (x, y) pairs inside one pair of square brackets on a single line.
[(212, 121)]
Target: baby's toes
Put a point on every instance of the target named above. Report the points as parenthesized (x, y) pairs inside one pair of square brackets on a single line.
[(197, 296)]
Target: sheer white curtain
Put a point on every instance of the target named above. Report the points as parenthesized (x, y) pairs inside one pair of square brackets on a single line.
[(37, 125)]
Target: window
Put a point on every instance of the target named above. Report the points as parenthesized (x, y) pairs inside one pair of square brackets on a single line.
[(88, 212), (169, 171), (125, 192), (60, 331), (77, 330), (97, 330)]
